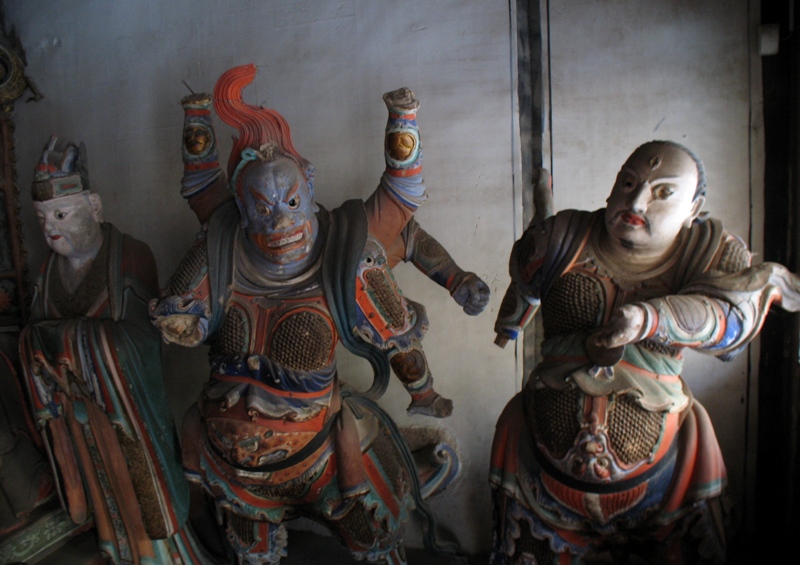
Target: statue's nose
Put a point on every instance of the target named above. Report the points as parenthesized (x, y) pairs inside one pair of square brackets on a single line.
[(283, 222), (639, 197)]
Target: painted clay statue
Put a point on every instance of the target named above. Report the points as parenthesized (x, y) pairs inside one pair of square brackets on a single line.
[(25, 479), (205, 187), (605, 452), (92, 362), (272, 284)]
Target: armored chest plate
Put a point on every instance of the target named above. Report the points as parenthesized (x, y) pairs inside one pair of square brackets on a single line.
[(297, 333)]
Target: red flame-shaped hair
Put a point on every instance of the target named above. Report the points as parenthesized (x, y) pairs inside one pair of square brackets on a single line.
[(256, 125)]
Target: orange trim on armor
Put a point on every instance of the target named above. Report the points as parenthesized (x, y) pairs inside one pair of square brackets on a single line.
[(569, 497), (221, 468), (505, 455), (384, 491), (527, 272), (404, 172), (406, 117), (620, 502), (275, 391), (202, 291), (371, 311), (664, 378), (611, 504), (580, 249), (239, 412)]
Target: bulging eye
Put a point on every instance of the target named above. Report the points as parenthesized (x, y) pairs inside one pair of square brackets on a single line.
[(293, 203), (59, 214), (262, 209)]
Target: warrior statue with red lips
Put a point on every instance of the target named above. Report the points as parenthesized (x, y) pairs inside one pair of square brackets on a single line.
[(273, 284), (605, 451)]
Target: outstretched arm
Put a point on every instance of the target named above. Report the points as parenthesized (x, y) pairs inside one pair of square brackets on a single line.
[(719, 314), (694, 321), (430, 257)]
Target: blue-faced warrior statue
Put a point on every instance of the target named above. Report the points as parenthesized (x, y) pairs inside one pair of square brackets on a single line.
[(272, 285), (605, 453)]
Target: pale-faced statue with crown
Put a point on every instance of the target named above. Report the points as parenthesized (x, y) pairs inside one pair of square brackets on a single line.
[(92, 363)]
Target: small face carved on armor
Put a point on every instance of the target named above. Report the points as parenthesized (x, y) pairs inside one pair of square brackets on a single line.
[(400, 145), (280, 210), (653, 198), (196, 138), (71, 224)]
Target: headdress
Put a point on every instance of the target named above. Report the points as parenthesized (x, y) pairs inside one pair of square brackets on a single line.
[(62, 170), (263, 133)]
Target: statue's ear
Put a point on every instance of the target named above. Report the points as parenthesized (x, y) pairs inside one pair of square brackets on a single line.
[(309, 172), (97, 207), (697, 207)]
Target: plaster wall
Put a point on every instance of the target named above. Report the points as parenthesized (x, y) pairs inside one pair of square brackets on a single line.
[(112, 72)]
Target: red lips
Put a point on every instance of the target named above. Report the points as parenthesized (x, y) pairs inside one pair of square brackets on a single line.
[(632, 219), (55, 237)]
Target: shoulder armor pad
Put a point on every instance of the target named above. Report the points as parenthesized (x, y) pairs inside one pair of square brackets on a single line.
[(529, 251), (191, 269), (385, 317), (733, 255)]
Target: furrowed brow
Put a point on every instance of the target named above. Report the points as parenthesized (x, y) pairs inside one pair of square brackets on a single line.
[(258, 196), (293, 190)]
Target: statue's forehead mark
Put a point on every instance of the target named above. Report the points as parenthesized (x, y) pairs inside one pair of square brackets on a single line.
[(655, 161)]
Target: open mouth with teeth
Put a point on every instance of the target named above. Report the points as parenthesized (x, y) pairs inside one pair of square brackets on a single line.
[(284, 241), (280, 244)]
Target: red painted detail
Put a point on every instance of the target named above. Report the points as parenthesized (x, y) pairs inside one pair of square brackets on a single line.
[(370, 310), (383, 489), (405, 117), (201, 166), (404, 172), (620, 502)]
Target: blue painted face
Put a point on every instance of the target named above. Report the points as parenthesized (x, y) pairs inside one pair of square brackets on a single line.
[(280, 211)]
